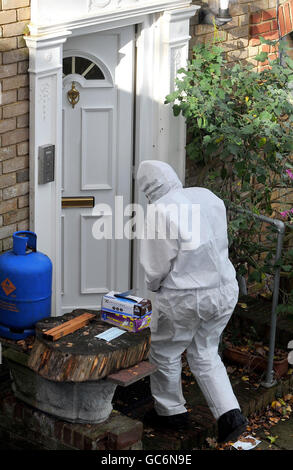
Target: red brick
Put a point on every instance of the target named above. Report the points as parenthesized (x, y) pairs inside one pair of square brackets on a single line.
[(67, 435), (282, 21), (78, 440), (266, 48), (256, 18), (254, 42), (58, 427), (88, 443), (271, 36), (274, 25), (288, 21), (269, 14), (273, 56), (259, 29), (264, 67), (125, 439), (274, 48)]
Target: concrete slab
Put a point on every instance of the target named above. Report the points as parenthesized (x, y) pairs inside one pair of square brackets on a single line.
[(284, 431)]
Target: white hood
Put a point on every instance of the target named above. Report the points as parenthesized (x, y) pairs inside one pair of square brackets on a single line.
[(156, 179)]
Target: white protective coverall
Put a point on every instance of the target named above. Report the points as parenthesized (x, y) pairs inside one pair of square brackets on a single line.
[(196, 292)]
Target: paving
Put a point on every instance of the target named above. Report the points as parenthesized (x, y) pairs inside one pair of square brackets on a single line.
[(135, 400), (283, 435)]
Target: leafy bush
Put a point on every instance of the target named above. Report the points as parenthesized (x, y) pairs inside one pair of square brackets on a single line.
[(239, 134)]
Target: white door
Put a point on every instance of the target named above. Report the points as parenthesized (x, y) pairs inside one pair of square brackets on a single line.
[(98, 71)]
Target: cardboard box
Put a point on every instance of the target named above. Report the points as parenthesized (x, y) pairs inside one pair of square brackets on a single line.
[(127, 322), (128, 312), (126, 305)]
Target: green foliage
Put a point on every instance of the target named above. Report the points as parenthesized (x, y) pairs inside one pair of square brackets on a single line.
[(239, 135)]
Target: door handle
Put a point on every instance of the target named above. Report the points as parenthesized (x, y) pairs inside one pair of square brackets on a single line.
[(82, 201)]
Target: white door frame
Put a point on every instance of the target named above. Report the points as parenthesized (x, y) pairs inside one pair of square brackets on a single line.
[(162, 47)]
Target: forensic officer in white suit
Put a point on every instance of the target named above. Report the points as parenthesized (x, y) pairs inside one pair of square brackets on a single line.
[(196, 293)]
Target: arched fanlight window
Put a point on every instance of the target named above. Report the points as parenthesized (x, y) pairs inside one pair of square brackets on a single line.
[(81, 66)]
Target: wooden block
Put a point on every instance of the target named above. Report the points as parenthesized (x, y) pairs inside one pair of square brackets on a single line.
[(127, 377), (68, 327), (69, 322)]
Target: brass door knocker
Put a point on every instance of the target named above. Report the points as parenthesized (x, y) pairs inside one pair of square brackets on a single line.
[(73, 95)]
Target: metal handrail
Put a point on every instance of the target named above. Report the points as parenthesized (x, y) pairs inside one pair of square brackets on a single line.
[(280, 226)]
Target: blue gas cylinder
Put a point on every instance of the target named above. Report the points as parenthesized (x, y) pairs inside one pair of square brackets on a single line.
[(25, 287)]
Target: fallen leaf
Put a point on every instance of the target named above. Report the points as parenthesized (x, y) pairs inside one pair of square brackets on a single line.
[(288, 397), (274, 420), (272, 439), (245, 378), (211, 442), (276, 405)]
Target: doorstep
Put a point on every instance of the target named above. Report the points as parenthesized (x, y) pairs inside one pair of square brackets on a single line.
[(252, 401)]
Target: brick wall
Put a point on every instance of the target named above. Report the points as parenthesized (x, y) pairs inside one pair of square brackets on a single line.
[(14, 118), (23, 427), (240, 37)]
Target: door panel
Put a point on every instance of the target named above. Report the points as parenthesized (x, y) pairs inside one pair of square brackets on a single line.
[(97, 126), (97, 161)]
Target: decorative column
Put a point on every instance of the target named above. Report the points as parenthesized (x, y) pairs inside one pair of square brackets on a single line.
[(174, 30), (46, 129)]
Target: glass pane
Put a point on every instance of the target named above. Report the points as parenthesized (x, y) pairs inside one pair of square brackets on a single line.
[(95, 74), (81, 65), (67, 62), (88, 69)]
